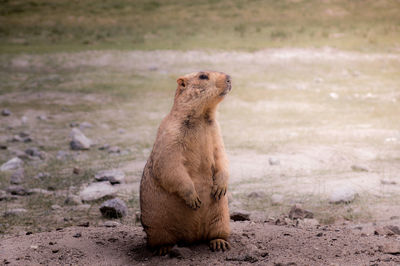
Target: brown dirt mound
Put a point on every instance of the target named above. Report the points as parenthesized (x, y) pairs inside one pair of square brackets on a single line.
[(260, 243)]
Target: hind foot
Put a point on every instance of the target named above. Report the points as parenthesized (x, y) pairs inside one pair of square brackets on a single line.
[(219, 244), (163, 250)]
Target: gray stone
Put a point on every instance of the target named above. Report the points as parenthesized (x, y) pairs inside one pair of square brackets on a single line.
[(114, 149), (12, 164), (391, 248), (359, 168), (17, 177), (114, 176), (113, 208), (256, 195), (15, 212), (274, 161), (42, 117), (55, 207), (35, 152), (297, 212), (79, 141), (240, 216), (40, 191), (42, 176), (17, 190), (73, 200), (96, 191), (276, 199), (111, 224), (342, 195), (62, 155), (180, 252), (5, 112), (307, 223), (84, 125)]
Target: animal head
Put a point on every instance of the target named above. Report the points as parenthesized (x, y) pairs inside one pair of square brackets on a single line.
[(204, 88)]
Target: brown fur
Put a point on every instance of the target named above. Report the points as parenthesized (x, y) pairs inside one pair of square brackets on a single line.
[(183, 187)]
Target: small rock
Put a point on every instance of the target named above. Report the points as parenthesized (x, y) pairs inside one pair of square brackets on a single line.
[(3, 147), (55, 207), (111, 224), (114, 208), (391, 248), (12, 164), (114, 149), (17, 190), (79, 140), (388, 182), (42, 117), (5, 112), (97, 191), (84, 125), (394, 228), (73, 200), (104, 147), (297, 212), (16, 138), (6, 197), (276, 199), (84, 224), (256, 195), (34, 247), (307, 223), (76, 171), (274, 161), (34, 152), (359, 168), (15, 212), (113, 176), (42, 176), (23, 134), (40, 191), (240, 216), (62, 155), (77, 235), (17, 177), (180, 252), (342, 195)]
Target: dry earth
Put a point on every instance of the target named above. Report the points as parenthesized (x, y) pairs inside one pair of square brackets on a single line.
[(310, 116), (258, 243)]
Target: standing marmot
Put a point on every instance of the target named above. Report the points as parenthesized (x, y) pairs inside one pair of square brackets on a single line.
[(184, 182)]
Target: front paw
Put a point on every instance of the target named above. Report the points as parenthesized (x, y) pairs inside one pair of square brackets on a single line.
[(218, 191), (193, 201)]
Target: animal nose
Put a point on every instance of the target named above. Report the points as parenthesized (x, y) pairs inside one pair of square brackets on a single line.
[(228, 79)]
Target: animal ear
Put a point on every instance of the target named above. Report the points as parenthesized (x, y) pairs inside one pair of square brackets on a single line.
[(181, 82)]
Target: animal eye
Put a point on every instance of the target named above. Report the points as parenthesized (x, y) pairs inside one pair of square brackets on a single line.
[(203, 76)]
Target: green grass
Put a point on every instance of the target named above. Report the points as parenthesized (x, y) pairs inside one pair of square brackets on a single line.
[(49, 26)]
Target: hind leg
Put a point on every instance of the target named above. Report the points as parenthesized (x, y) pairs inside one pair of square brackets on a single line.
[(219, 244), (219, 230), (160, 241)]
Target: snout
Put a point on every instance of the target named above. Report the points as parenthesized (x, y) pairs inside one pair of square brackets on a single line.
[(228, 85)]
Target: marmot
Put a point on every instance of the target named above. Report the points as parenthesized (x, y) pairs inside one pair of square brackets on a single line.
[(184, 183)]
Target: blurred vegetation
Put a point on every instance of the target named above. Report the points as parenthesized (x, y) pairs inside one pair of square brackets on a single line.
[(59, 25)]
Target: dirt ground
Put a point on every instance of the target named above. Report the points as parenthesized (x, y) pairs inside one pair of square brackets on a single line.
[(310, 117), (259, 243)]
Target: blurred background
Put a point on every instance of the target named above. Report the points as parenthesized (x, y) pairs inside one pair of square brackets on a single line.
[(313, 117)]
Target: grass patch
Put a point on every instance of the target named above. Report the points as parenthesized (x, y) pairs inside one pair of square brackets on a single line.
[(48, 26)]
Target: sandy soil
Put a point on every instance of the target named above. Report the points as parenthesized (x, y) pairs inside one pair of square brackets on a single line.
[(259, 243)]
